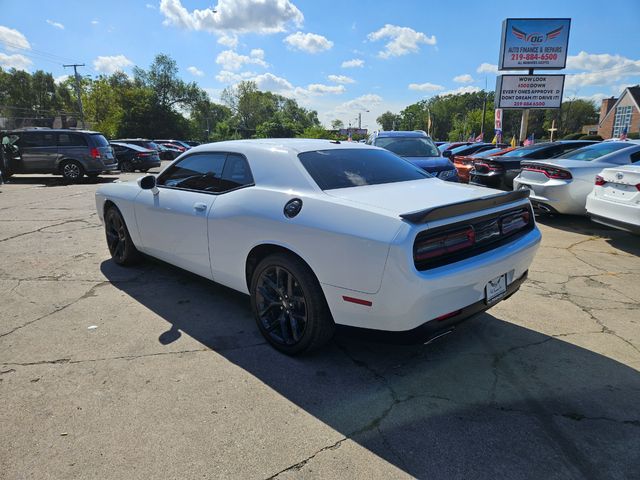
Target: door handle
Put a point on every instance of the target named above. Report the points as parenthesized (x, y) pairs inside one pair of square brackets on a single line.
[(199, 207)]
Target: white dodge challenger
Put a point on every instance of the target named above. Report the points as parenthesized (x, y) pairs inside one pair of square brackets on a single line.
[(321, 233)]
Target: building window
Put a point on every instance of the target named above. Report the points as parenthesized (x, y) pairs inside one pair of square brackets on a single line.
[(622, 120)]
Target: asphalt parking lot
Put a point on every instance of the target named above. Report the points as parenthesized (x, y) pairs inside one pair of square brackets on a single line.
[(150, 372)]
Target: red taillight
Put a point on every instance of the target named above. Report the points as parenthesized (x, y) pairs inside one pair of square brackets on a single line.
[(444, 244), (484, 167), (638, 186), (600, 181), (144, 154), (550, 172), (95, 153)]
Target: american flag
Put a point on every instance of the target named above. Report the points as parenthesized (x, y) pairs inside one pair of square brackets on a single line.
[(623, 135), (479, 137), (530, 140)]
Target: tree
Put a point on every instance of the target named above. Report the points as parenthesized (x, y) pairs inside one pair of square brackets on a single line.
[(388, 120), (337, 124)]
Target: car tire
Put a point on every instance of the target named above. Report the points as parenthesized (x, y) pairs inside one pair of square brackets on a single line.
[(121, 247), (71, 170), (289, 306), (126, 166)]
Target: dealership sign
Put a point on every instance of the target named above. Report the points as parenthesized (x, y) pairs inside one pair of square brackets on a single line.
[(529, 91), (529, 43), (498, 119)]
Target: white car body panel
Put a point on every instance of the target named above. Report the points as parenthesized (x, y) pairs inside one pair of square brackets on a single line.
[(617, 202), (353, 239)]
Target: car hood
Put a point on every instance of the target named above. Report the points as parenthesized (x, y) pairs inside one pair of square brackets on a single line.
[(404, 197), (431, 164)]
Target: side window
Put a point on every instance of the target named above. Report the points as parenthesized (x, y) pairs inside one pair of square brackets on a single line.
[(236, 173), (201, 171), (28, 139), (71, 140), (635, 157), (544, 153)]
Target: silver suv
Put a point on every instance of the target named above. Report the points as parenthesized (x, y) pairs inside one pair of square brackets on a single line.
[(70, 153)]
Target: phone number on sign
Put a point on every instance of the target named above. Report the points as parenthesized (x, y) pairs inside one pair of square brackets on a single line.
[(529, 104), (534, 56)]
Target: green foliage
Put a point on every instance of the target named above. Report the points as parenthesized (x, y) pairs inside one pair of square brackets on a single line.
[(573, 136), (388, 120), (591, 137), (634, 135)]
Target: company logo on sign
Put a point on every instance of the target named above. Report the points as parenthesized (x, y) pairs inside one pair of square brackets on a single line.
[(535, 37)]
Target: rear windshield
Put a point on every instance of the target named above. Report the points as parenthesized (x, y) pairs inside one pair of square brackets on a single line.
[(343, 168), (594, 151), (99, 140), (409, 146), (523, 151)]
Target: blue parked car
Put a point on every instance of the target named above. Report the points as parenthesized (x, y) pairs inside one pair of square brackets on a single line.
[(417, 147)]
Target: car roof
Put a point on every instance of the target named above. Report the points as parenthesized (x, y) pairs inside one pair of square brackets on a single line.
[(132, 146), (402, 133), (54, 130), (291, 145)]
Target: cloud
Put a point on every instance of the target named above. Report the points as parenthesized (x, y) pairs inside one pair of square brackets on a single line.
[(94, 22), (487, 68), (460, 90), (364, 102), (111, 64), (404, 40), (233, 61), (150, 6), (60, 79), (195, 71), (55, 24), (355, 63), (13, 40), (341, 79), (599, 69), (464, 78), (238, 16), (308, 42), (230, 41), (319, 88), (425, 87), (225, 76), (17, 61)]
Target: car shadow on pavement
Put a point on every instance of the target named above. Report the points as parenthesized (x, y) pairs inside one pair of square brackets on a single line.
[(619, 239), (55, 181), (491, 400)]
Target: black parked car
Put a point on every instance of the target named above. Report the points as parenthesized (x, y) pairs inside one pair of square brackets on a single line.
[(499, 172), (70, 153), (133, 157)]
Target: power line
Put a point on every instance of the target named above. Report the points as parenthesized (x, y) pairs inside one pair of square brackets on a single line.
[(37, 53)]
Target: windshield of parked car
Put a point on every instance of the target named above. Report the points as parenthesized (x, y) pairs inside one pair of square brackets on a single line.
[(354, 167), (594, 151), (409, 146)]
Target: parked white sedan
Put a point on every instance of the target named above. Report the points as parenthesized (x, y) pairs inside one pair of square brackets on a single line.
[(615, 199), (561, 185), (320, 233)]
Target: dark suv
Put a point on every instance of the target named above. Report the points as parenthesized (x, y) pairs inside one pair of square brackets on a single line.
[(70, 153)]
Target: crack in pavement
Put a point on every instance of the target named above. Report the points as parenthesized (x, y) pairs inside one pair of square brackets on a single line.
[(38, 230), (302, 463), (87, 294)]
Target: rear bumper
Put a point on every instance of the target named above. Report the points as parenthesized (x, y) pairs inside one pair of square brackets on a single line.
[(436, 328), (560, 195), (489, 180), (101, 168), (613, 214), (408, 298)]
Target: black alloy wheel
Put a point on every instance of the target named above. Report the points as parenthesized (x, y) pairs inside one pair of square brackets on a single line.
[(121, 247), (289, 306)]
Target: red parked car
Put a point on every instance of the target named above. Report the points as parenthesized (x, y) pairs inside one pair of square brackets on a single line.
[(464, 163)]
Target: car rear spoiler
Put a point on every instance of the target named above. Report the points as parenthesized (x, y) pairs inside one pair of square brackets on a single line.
[(468, 206)]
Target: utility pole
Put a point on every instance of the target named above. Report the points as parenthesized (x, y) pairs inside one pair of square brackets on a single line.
[(78, 94), (484, 108)]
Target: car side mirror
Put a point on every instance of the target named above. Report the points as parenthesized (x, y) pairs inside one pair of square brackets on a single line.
[(148, 182), (446, 153)]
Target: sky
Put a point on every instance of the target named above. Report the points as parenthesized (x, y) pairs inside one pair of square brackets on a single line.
[(340, 58)]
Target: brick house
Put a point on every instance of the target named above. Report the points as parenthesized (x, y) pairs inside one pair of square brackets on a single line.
[(618, 113)]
